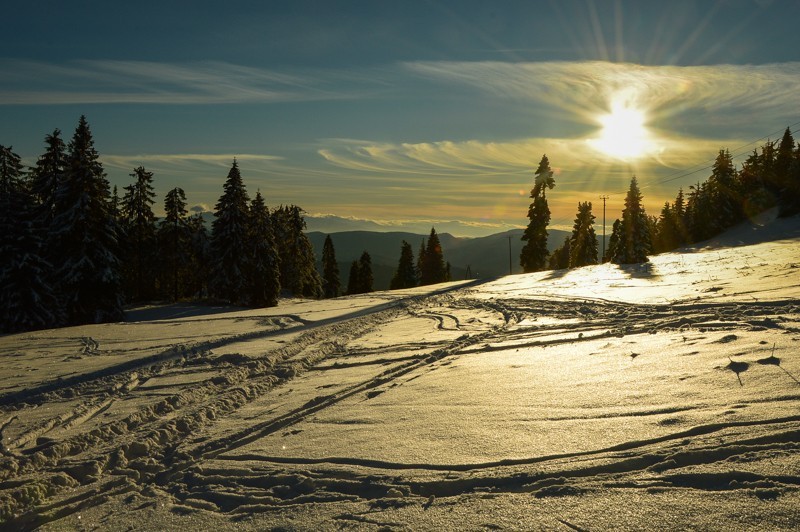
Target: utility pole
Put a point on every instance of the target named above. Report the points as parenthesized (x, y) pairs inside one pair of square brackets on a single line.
[(604, 197), (509, 256)]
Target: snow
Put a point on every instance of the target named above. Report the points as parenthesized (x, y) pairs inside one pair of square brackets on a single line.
[(605, 397)]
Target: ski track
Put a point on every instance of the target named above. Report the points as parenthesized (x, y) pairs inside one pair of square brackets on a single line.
[(166, 445)]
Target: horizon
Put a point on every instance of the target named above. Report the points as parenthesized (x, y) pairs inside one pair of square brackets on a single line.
[(435, 113)]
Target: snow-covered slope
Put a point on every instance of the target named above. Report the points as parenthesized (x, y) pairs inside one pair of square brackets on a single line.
[(664, 395)]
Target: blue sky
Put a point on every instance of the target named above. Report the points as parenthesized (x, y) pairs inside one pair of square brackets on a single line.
[(404, 113)]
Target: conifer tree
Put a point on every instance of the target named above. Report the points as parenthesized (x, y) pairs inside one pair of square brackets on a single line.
[(787, 166), (614, 240), (174, 239), (139, 230), (47, 174), (432, 265), (354, 279), (406, 275), (583, 242), (559, 259), (724, 195), (365, 273), (198, 268), (331, 285), (84, 237), (27, 301), (420, 259), (229, 240), (264, 271), (297, 263), (635, 242), (533, 256)]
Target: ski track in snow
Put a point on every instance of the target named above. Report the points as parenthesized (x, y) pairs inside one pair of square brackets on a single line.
[(344, 416)]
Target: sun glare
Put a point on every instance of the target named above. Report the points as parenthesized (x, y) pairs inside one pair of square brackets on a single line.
[(623, 134)]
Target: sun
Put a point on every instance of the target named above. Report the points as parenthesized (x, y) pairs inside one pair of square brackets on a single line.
[(624, 134)]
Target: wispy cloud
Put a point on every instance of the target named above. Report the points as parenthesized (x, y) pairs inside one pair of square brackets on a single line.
[(143, 82), (586, 89)]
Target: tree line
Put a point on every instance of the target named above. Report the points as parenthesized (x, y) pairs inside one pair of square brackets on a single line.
[(429, 268), (74, 252), (769, 178)]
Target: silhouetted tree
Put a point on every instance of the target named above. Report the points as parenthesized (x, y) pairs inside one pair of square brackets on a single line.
[(405, 276), (583, 242), (83, 237), (432, 265), (365, 273), (614, 240), (27, 301), (229, 240), (533, 256), (198, 269), (174, 244), (45, 176), (263, 273), (297, 264), (354, 279), (725, 198), (787, 168), (331, 285), (559, 259), (139, 234), (634, 240)]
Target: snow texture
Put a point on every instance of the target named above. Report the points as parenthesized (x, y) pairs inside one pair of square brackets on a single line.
[(662, 395)]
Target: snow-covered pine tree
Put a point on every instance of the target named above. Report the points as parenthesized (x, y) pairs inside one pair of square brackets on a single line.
[(297, 263), (27, 301), (264, 272), (174, 245), (533, 256), (433, 268), (230, 256), (406, 275), (635, 242), (139, 236), (84, 237), (331, 285), (583, 242)]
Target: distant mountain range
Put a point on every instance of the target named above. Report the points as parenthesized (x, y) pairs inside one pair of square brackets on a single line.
[(486, 256)]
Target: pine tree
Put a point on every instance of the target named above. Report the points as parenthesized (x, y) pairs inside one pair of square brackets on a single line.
[(354, 279), (432, 265), (49, 171), (533, 256), (173, 242), (559, 259), (583, 242), (27, 301), (365, 273), (420, 259), (84, 237), (264, 272), (139, 229), (297, 263), (787, 167), (614, 240), (229, 240), (198, 268), (330, 270), (635, 240), (724, 195), (406, 275)]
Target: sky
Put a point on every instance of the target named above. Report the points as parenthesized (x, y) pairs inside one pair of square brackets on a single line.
[(403, 115)]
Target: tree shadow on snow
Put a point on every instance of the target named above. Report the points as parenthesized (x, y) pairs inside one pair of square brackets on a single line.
[(175, 311), (644, 270)]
